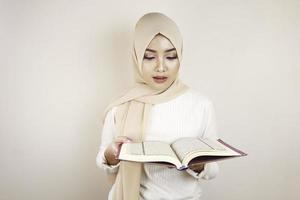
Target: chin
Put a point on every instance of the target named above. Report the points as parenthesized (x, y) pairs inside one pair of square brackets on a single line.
[(158, 86)]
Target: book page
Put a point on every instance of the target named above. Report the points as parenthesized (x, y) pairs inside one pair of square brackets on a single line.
[(149, 148), (149, 151), (158, 149), (132, 149), (184, 146)]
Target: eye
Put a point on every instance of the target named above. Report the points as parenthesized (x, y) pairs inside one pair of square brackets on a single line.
[(149, 57), (171, 57)]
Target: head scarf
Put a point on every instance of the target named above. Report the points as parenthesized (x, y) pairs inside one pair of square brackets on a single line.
[(133, 108)]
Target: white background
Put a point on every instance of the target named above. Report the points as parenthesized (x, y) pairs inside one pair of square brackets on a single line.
[(63, 61)]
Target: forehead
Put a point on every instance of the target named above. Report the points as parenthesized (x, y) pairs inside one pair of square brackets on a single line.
[(160, 43)]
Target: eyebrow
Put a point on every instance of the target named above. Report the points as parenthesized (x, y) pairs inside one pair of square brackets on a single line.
[(168, 50)]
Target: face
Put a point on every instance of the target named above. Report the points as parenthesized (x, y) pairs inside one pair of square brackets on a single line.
[(160, 63)]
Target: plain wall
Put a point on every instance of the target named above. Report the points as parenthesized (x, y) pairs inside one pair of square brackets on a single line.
[(63, 61)]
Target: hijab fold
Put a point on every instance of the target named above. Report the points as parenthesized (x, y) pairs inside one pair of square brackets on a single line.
[(134, 108)]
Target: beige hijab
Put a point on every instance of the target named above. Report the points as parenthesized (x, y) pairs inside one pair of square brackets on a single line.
[(134, 107)]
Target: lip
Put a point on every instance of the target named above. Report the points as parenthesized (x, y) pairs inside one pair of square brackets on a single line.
[(159, 79)]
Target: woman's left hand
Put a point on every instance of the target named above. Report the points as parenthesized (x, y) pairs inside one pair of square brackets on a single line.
[(197, 167)]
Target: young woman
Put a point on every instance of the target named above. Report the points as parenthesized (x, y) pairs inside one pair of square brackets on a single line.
[(159, 107)]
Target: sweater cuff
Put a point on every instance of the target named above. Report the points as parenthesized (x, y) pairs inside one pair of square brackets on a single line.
[(210, 171)]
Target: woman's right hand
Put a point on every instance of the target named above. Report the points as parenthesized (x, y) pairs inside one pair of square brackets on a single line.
[(113, 149)]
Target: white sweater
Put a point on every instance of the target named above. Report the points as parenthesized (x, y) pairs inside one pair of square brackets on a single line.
[(188, 115)]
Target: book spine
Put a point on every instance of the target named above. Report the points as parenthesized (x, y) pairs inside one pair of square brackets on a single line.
[(232, 148), (183, 168)]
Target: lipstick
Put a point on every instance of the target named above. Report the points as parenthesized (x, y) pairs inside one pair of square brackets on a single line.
[(159, 79)]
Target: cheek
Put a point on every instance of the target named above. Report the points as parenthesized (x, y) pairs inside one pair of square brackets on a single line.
[(147, 71), (173, 67)]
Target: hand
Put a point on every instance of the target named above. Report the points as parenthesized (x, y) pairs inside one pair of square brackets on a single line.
[(113, 149), (197, 167)]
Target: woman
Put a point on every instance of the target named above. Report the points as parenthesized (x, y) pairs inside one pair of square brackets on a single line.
[(159, 107)]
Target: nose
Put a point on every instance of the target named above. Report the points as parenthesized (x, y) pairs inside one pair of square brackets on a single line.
[(160, 66)]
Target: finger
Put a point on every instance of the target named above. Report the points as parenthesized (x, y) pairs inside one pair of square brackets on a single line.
[(122, 139), (117, 149), (114, 150), (170, 166), (118, 143), (117, 154), (197, 165)]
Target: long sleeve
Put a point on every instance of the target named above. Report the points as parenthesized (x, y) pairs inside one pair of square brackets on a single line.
[(211, 169), (188, 115), (108, 132)]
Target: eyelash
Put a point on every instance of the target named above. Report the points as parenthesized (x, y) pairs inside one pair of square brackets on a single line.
[(150, 58), (172, 58)]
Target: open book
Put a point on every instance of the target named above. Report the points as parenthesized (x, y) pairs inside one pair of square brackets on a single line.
[(182, 153)]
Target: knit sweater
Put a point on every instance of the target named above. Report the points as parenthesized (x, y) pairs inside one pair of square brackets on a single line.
[(189, 115)]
